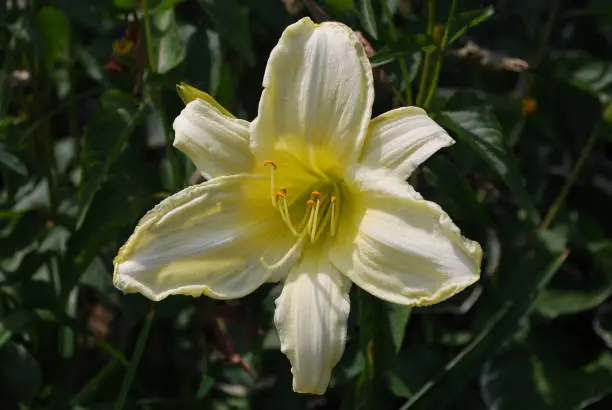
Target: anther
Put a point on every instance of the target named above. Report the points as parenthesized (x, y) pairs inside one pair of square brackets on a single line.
[(272, 190), (316, 194), (283, 190), (269, 162), (310, 202)]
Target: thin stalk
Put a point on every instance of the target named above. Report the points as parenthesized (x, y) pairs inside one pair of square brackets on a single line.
[(431, 21), (158, 101), (433, 85), (543, 46), (148, 37), (131, 371), (402, 63), (554, 208)]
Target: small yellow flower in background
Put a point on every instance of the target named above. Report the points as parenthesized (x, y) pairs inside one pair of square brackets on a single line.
[(528, 106), (312, 192), (122, 46)]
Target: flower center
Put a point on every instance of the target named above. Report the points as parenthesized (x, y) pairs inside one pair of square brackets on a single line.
[(319, 211)]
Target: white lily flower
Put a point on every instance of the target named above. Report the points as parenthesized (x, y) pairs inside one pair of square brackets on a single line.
[(312, 192)]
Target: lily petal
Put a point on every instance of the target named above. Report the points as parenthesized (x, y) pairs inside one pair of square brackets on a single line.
[(216, 143), (401, 248), (402, 139), (311, 315), (318, 92), (206, 239)]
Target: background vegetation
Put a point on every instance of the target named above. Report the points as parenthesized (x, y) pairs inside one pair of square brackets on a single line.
[(85, 150)]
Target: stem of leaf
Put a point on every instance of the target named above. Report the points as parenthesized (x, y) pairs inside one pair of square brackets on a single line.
[(131, 371), (402, 62), (431, 21), (433, 85), (584, 154)]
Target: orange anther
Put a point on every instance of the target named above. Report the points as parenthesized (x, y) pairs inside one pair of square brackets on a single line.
[(310, 202), (269, 162), (316, 194), (333, 200), (279, 195), (283, 190)]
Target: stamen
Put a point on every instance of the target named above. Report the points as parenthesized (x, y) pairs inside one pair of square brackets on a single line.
[(334, 221), (284, 211), (316, 194), (316, 216), (310, 203), (272, 190), (285, 257), (292, 250)]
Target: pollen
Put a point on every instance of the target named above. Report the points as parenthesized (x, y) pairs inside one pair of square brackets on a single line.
[(316, 194)]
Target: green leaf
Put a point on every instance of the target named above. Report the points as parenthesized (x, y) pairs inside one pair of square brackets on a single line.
[(54, 30), (403, 380), (124, 4), (342, 6), (12, 324), (579, 291), (114, 120), (467, 19), (440, 392), (368, 18), (20, 374), (11, 162), (603, 324), (457, 197), (232, 24), (481, 131), (401, 48), (171, 41), (519, 379)]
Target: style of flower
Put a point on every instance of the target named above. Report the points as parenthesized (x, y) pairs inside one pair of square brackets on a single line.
[(313, 192)]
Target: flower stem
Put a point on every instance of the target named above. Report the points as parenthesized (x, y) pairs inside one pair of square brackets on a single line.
[(402, 62), (431, 20), (433, 85), (131, 371), (554, 208)]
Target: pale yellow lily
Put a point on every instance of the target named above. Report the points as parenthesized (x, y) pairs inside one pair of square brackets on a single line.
[(312, 192)]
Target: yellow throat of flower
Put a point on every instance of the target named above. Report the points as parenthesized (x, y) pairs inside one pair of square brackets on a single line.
[(319, 211)]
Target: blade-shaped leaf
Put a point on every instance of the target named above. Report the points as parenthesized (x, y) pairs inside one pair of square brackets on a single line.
[(464, 20), (480, 129), (232, 24), (440, 392), (368, 18), (401, 48), (114, 120)]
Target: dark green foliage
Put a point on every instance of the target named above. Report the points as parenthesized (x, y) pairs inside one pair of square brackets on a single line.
[(524, 87)]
